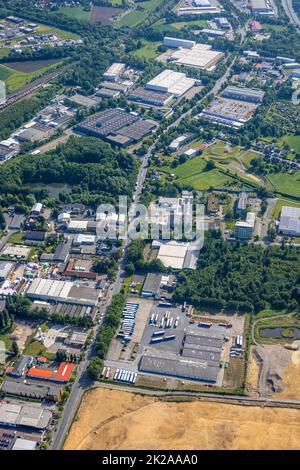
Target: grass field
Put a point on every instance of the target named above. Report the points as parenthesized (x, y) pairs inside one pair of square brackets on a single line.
[(148, 51), (273, 27), (75, 13), (286, 183), (163, 27), (293, 141), (15, 79), (134, 17)]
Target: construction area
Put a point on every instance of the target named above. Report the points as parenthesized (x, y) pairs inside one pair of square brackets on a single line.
[(134, 421)]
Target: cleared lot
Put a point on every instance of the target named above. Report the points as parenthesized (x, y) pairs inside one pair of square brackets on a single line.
[(124, 420)]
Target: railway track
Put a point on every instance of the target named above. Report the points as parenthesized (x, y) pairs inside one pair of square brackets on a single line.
[(31, 88)]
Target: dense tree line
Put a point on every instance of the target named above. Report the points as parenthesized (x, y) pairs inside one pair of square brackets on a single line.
[(96, 171), (242, 277)]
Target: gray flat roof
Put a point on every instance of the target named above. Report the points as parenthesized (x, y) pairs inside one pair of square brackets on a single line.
[(152, 283), (171, 364)]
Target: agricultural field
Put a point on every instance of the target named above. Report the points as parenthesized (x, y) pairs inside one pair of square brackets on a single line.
[(76, 13), (134, 17), (293, 141), (16, 79), (104, 15), (148, 51), (132, 421), (285, 183)]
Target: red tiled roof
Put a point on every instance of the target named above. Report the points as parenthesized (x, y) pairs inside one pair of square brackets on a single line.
[(64, 372)]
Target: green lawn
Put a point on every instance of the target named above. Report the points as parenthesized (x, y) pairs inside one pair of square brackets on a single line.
[(280, 203), (35, 348), (273, 27), (16, 79), (286, 183), (61, 33), (5, 73), (134, 17), (7, 341), (75, 13), (192, 173), (182, 24), (16, 238), (4, 51), (293, 141), (148, 51)]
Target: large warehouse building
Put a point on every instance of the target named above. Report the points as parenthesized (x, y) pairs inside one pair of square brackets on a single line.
[(168, 81), (244, 94), (24, 416), (177, 42), (290, 221), (63, 291), (200, 56), (117, 127)]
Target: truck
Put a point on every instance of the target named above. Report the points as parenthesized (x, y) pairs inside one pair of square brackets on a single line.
[(116, 374), (158, 339), (107, 373), (169, 338), (158, 333)]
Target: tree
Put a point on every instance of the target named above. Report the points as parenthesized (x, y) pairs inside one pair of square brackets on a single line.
[(95, 368), (15, 348)]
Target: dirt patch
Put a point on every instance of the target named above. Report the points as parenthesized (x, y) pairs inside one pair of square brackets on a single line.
[(252, 375), (291, 379), (21, 334), (103, 15), (31, 65), (110, 419), (272, 360)]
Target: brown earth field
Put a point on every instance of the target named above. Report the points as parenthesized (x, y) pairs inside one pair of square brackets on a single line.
[(31, 66), (116, 420), (103, 14)]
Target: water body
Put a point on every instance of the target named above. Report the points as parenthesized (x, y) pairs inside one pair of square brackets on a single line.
[(276, 333)]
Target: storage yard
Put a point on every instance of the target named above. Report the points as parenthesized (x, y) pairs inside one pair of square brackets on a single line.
[(132, 421), (157, 338)]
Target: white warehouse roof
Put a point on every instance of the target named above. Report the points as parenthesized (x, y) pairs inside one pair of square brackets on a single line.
[(176, 83)]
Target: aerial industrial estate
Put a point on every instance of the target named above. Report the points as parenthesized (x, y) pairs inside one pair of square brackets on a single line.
[(149, 223)]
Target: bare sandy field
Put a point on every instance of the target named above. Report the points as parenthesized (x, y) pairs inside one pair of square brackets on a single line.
[(111, 420), (291, 379)]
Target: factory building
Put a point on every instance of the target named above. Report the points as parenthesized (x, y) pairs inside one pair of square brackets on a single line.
[(177, 42), (243, 94), (261, 7), (24, 416), (117, 127), (290, 221), (154, 98), (164, 363), (5, 269), (114, 72), (62, 291), (168, 81), (200, 56), (31, 391)]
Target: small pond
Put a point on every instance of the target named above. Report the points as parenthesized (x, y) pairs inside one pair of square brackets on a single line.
[(280, 333)]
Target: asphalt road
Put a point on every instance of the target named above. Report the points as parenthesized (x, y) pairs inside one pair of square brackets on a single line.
[(289, 10)]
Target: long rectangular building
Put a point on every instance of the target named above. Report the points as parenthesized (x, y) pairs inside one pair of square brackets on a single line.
[(243, 94), (63, 291), (169, 81), (160, 362), (24, 416), (117, 126)]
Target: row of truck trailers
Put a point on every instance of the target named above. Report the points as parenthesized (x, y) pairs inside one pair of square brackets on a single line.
[(166, 322), (121, 375), (128, 321)]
